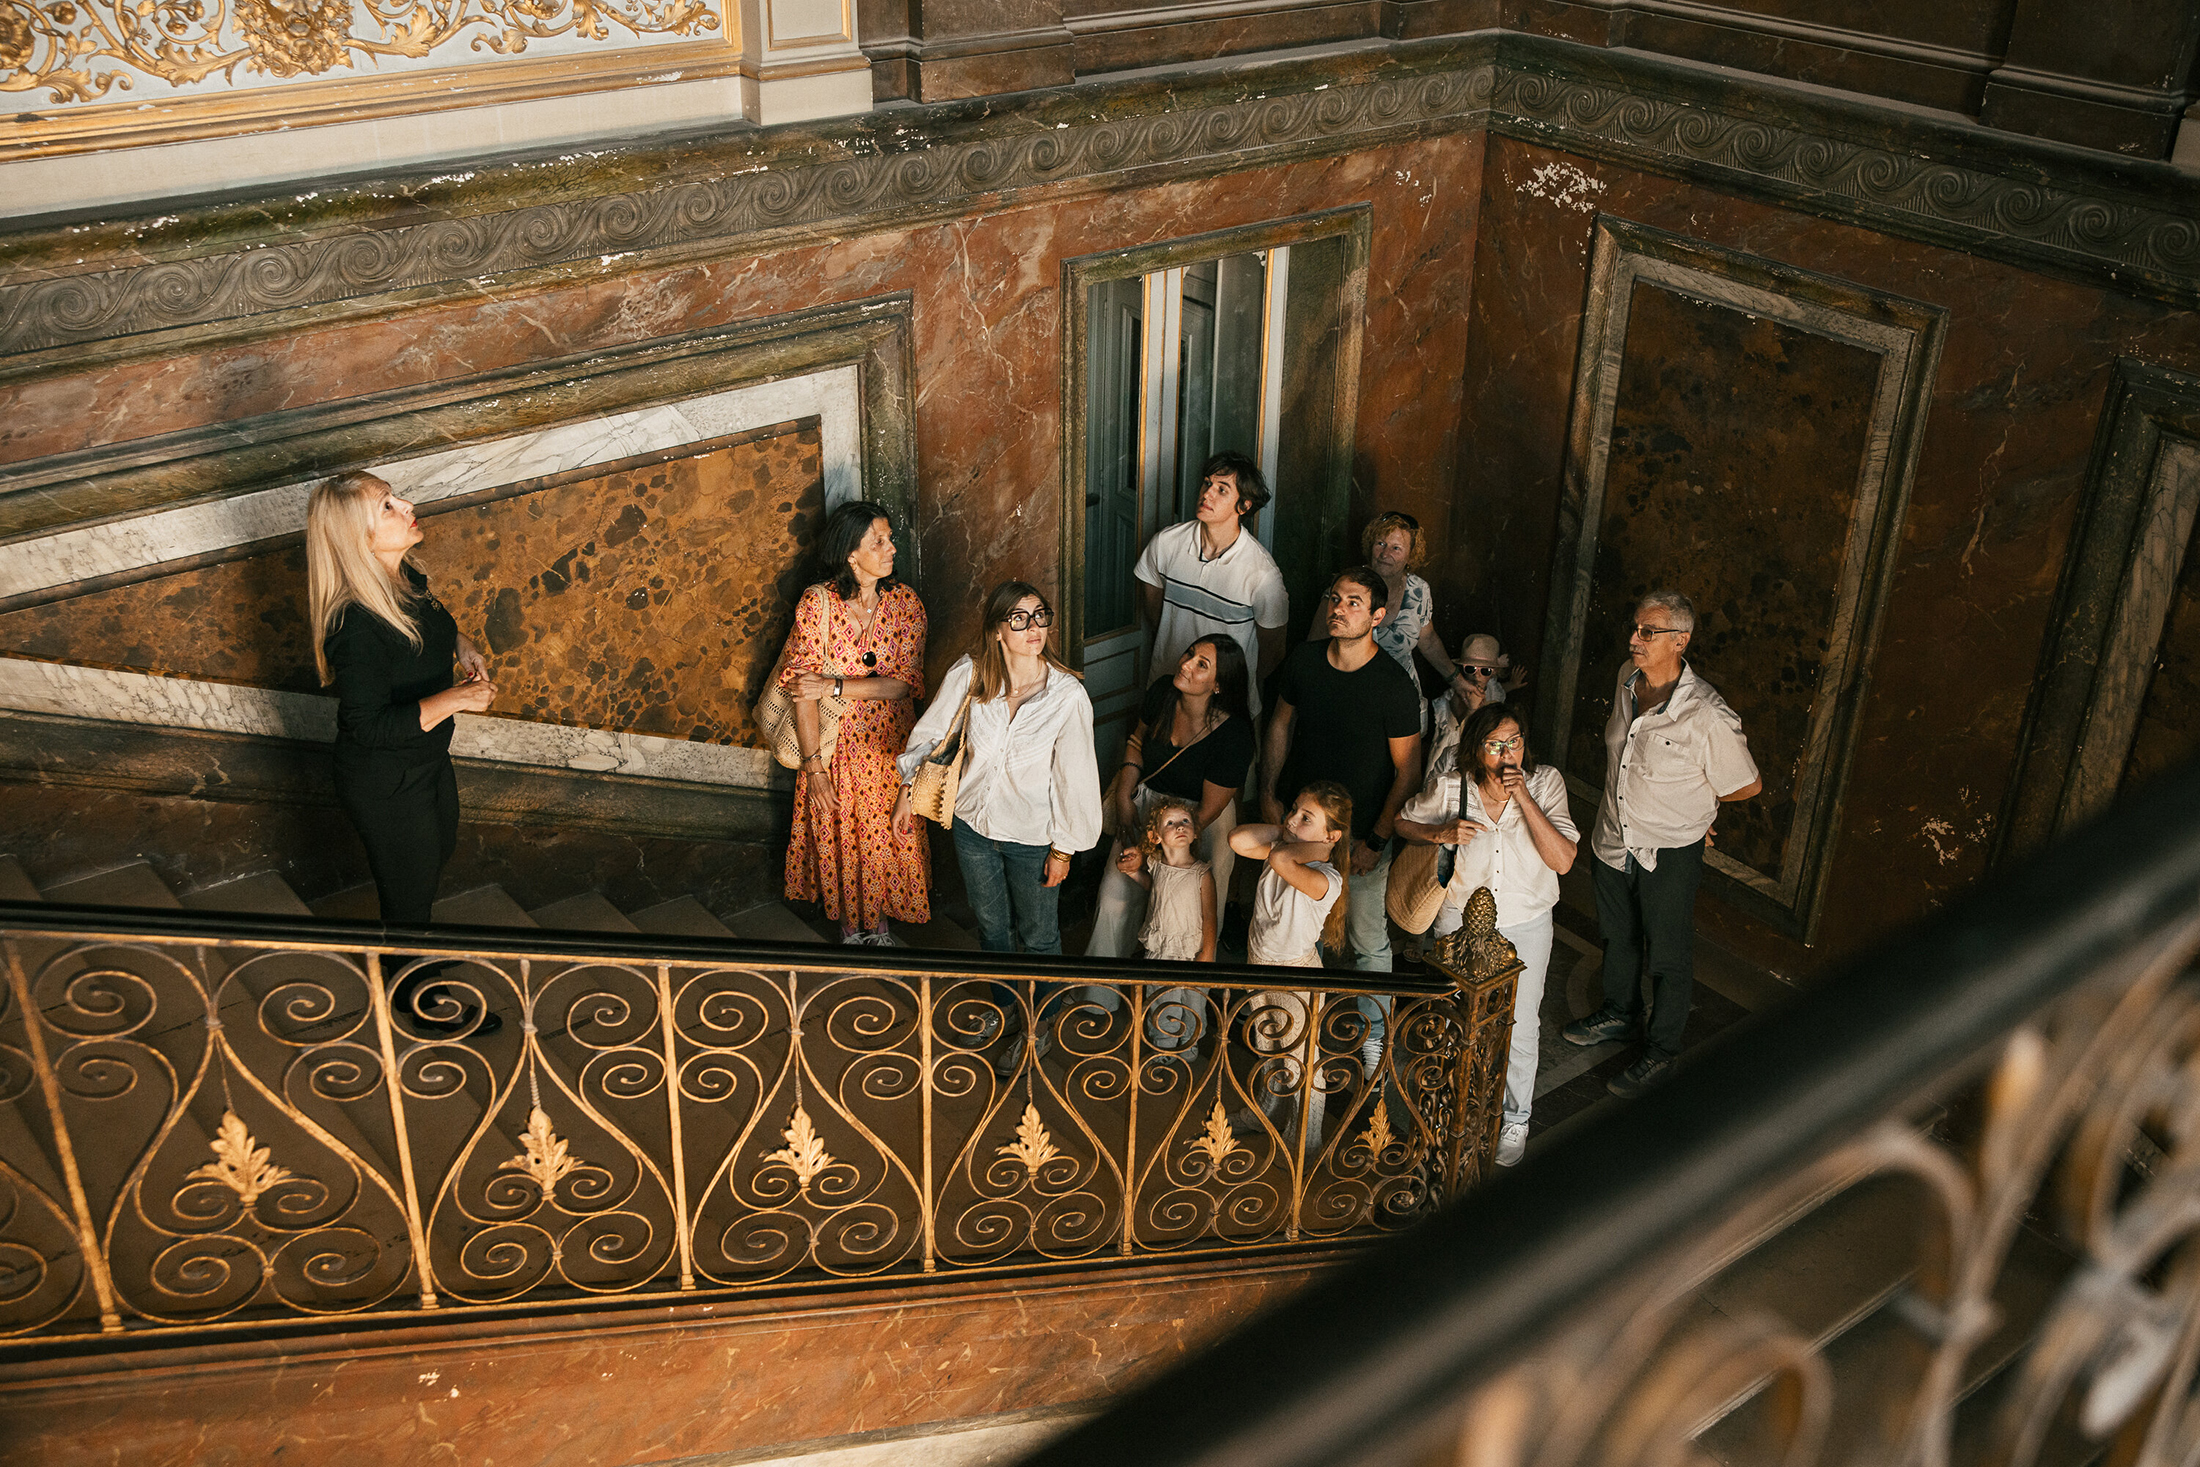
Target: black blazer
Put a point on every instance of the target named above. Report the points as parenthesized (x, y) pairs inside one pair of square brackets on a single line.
[(381, 680)]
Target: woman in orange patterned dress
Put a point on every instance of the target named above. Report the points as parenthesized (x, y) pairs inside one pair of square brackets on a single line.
[(843, 851)]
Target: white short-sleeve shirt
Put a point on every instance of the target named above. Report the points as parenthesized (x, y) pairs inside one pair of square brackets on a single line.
[(1236, 593), (1664, 771), (1286, 930)]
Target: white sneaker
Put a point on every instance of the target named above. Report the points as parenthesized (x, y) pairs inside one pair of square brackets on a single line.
[(1512, 1143), (884, 937)]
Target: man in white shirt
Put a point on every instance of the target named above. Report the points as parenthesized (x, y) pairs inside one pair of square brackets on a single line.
[(1674, 752), (1209, 574)]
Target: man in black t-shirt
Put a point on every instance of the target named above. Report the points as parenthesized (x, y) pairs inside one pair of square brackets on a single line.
[(1346, 711)]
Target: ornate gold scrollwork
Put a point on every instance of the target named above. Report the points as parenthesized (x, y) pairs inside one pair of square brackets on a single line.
[(615, 1132), (79, 50), (2075, 1185)]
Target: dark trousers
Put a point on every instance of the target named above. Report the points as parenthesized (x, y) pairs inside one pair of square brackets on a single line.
[(407, 816), (1649, 917)]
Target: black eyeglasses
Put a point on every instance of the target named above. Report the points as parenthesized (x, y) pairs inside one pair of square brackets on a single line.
[(1019, 621)]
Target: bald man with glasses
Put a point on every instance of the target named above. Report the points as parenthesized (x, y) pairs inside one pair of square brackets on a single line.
[(1674, 752)]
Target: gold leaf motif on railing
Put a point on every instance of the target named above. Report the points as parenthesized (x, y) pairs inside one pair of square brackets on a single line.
[(1218, 1140), (1032, 1146), (804, 1154), (240, 1163), (1377, 1136), (545, 1156)]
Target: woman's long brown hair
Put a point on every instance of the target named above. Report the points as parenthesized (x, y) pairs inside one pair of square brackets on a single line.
[(989, 664)]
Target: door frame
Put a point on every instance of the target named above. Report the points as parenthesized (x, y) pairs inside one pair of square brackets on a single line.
[(1353, 227)]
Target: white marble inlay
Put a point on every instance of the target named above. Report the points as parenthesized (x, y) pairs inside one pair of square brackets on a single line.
[(166, 702), (833, 397)]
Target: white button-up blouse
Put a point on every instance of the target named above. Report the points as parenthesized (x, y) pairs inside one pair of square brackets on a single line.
[(1033, 778), (1504, 859)]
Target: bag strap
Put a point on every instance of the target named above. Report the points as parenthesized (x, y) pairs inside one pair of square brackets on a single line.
[(956, 722), (825, 632), (1210, 728)]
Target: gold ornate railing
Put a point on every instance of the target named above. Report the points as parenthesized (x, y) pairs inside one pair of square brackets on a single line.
[(1945, 1208), (201, 1129)]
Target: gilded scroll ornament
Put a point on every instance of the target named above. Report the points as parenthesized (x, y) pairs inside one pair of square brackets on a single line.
[(1032, 1146), (77, 52), (544, 1154), (240, 1162)]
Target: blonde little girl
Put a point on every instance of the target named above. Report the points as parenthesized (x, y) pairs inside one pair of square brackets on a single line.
[(1180, 915), (1299, 908)]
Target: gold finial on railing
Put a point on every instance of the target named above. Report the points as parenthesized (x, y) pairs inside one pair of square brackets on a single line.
[(1476, 950)]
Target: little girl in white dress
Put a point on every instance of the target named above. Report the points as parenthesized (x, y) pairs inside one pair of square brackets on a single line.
[(1180, 920)]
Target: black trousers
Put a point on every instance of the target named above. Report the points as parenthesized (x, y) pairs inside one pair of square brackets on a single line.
[(1649, 919), (407, 816)]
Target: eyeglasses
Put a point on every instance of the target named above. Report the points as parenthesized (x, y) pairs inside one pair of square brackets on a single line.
[(1019, 621), (1478, 668), (1647, 632), (1504, 746)]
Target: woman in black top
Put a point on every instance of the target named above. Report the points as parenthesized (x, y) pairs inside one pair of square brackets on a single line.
[(387, 646), (1194, 740)]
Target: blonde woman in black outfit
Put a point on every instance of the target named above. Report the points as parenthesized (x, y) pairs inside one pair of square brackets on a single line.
[(387, 646)]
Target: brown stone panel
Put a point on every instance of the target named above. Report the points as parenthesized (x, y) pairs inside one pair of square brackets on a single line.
[(1736, 446), (612, 1389), (2025, 368), (1151, 37), (2169, 719), (649, 600)]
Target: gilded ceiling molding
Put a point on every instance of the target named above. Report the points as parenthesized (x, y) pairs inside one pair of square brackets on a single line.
[(2129, 227), (75, 51)]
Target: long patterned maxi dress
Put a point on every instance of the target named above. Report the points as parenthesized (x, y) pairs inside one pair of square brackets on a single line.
[(858, 869)]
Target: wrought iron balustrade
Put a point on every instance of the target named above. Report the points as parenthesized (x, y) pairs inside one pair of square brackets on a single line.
[(2009, 1097), (214, 1123)]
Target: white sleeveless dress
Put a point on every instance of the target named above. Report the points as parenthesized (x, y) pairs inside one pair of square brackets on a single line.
[(1174, 911)]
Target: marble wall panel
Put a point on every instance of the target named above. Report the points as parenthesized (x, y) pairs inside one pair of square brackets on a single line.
[(987, 353), (2025, 370), (2169, 718), (1736, 445), (618, 601), (588, 1391)]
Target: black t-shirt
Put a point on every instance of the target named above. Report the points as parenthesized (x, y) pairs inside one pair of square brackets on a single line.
[(1220, 758), (380, 679), (1342, 726)]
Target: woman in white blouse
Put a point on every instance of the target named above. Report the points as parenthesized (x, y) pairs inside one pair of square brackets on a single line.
[(1029, 797), (1511, 832)]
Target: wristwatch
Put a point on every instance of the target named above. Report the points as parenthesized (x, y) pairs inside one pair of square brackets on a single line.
[(836, 689)]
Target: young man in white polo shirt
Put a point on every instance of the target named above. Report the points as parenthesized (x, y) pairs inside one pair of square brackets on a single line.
[(1674, 752), (1209, 574)]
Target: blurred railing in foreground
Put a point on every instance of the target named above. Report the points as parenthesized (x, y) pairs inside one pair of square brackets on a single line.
[(222, 1123), (1944, 1207)]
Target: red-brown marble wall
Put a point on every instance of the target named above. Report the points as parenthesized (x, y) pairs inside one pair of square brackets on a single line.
[(988, 318), (619, 601), (2023, 376)]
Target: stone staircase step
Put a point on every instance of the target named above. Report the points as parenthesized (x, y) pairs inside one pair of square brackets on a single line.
[(937, 935), (771, 922), (484, 906), (586, 911), (352, 904), (265, 894), (134, 885), (15, 883), (680, 917)]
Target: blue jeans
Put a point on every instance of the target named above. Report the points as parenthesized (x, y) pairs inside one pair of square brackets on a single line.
[(1003, 880)]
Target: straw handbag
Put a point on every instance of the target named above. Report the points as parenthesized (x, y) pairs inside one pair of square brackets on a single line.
[(932, 792), (1415, 893), (775, 710)]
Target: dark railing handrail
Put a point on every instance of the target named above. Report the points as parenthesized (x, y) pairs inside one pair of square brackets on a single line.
[(452, 939), (1352, 1368)]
